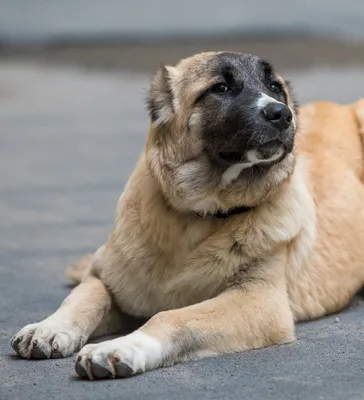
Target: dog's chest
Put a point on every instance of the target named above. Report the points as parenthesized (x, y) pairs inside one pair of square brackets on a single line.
[(144, 289)]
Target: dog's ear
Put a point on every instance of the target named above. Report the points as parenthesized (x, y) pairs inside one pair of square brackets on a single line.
[(359, 111), (160, 96), (292, 96)]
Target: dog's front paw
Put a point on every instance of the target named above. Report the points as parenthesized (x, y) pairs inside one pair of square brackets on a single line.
[(120, 358), (47, 339)]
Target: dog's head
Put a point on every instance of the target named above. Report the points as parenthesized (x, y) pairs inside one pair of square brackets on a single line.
[(222, 131)]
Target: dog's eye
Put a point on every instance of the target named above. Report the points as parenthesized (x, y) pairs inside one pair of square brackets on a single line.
[(275, 87), (220, 88)]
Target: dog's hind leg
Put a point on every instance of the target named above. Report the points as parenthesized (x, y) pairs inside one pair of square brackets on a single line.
[(80, 269), (77, 270)]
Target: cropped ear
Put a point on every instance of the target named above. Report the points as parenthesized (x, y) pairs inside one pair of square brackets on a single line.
[(359, 111), (160, 97)]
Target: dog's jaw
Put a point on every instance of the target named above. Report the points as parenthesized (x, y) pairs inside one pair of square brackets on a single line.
[(254, 157)]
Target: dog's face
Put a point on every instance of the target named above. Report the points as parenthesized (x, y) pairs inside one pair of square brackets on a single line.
[(222, 133)]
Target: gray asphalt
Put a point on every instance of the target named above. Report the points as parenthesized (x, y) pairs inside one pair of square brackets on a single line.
[(69, 137)]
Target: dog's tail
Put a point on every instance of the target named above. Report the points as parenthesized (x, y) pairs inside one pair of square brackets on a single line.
[(78, 270)]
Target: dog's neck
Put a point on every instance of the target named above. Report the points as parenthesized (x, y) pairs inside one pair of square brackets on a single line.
[(225, 214), (220, 203)]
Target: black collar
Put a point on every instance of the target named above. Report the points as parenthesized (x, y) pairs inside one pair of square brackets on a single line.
[(226, 214)]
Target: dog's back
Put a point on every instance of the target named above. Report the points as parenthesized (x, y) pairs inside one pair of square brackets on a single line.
[(330, 142)]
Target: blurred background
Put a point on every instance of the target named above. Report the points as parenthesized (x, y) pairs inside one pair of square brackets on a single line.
[(73, 79)]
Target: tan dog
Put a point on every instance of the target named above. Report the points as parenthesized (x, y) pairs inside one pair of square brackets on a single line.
[(226, 233)]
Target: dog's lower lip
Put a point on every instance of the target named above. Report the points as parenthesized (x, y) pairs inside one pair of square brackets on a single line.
[(267, 152), (269, 149)]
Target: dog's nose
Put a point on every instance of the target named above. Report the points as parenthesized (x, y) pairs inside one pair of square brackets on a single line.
[(278, 114)]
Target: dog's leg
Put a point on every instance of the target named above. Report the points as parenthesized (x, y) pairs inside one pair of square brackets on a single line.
[(236, 320), (87, 309)]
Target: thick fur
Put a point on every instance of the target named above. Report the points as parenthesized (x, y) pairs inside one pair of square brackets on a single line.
[(210, 286)]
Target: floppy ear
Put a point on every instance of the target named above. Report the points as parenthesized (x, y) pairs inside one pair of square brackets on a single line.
[(160, 97), (359, 111)]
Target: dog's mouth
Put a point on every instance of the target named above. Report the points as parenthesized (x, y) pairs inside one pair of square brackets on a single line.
[(265, 152), (269, 151), (232, 157)]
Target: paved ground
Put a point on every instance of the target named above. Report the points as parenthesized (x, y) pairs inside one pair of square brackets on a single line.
[(69, 137)]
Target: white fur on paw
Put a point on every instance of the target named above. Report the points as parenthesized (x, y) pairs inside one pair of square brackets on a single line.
[(46, 339), (119, 358)]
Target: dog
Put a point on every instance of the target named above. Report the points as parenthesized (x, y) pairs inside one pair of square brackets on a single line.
[(239, 220)]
